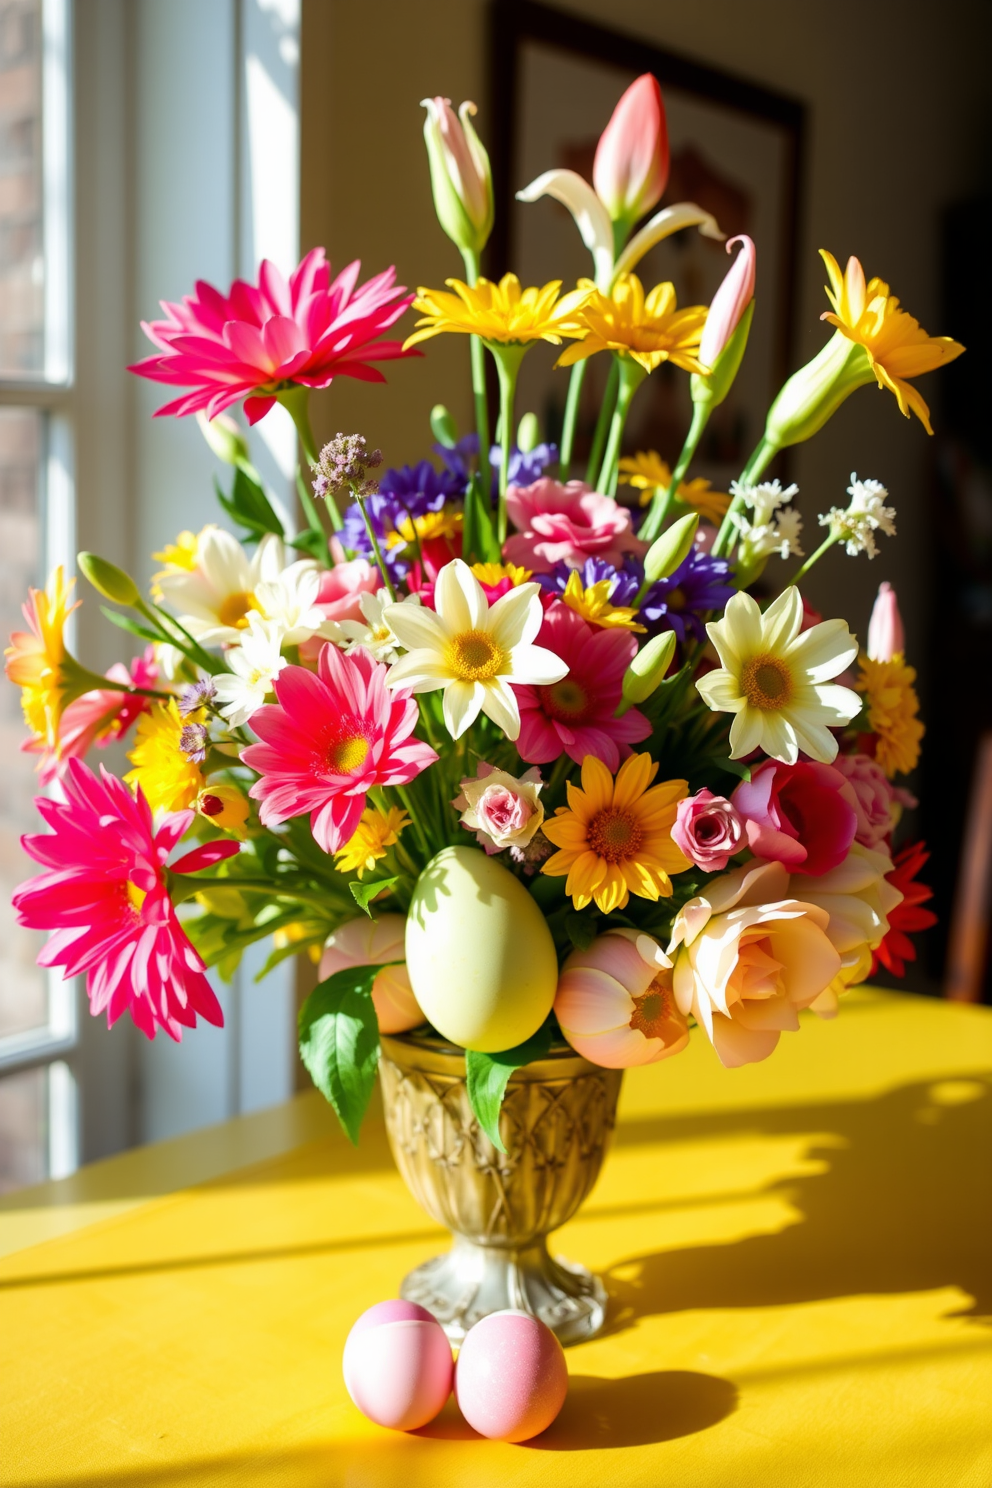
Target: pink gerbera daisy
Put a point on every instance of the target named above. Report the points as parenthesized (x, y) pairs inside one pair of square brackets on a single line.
[(259, 339), (105, 899), (329, 740), (577, 714)]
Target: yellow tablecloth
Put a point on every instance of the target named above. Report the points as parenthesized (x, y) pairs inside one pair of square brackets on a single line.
[(798, 1256)]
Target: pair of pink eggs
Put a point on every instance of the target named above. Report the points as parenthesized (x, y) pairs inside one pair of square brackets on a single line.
[(510, 1380)]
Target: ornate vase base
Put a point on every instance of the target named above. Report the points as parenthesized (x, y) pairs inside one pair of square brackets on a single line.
[(471, 1281)]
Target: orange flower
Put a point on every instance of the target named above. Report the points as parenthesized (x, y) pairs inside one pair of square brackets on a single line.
[(36, 658)]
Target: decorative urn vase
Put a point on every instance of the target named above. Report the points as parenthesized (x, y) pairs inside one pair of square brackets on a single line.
[(557, 1118)]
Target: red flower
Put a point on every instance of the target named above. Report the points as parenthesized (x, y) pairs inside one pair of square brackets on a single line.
[(897, 948), (260, 338)]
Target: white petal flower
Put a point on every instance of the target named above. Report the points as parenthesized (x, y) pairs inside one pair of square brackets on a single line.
[(776, 679), (215, 597), (290, 600), (375, 634), (472, 650), (770, 529), (254, 665), (867, 514)]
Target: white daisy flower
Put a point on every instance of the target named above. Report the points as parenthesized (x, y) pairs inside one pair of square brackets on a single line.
[(254, 664), (290, 600), (214, 598), (856, 524), (375, 634), (776, 679), (471, 650)]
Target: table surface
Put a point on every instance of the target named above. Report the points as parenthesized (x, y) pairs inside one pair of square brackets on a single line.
[(797, 1256)]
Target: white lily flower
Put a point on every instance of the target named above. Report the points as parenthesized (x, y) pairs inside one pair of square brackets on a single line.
[(375, 634), (290, 600), (254, 664), (214, 597), (472, 650)]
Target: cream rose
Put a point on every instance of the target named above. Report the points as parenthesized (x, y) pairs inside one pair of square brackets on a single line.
[(748, 958), (858, 899), (501, 809)]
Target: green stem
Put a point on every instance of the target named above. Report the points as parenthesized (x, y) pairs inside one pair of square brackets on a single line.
[(296, 400), (571, 417), (507, 368), (563, 765), (756, 466), (828, 542), (471, 262), (661, 505), (630, 375), (602, 425), (375, 548), (411, 812)]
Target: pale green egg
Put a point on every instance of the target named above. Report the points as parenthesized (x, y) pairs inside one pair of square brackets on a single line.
[(479, 952)]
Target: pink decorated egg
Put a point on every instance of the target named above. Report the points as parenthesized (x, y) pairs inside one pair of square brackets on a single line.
[(398, 1365), (511, 1378)]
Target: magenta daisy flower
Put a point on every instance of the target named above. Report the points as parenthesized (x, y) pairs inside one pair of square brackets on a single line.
[(576, 715), (329, 740), (106, 902), (261, 338)]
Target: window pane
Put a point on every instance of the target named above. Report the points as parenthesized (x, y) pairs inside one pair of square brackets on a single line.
[(22, 289), (23, 1128), (23, 997)]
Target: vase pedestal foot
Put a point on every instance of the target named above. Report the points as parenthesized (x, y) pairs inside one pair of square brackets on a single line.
[(471, 1281)]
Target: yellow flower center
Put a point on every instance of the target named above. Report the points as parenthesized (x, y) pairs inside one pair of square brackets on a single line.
[(475, 656), (135, 896), (654, 1007), (766, 682), (347, 755), (614, 835), (234, 609)]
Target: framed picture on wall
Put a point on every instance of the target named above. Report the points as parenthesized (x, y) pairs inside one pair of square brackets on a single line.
[(735, 150)]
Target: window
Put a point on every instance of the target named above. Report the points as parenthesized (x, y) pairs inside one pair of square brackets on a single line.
[(37, 1018)]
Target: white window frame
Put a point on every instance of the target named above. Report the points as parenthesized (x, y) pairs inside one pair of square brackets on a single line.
[(54, 1045)]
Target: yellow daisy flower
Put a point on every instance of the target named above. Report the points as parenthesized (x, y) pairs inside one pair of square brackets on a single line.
[(427, 528), (892, 709), (647, 472), (37, 658), (896, 345), (177, 557), (376, 831), (494, 573), (169, 778), (649, 329), (593, 604), (615, 836), (502, 313)]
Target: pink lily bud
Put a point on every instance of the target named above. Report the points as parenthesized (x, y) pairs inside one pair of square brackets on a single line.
[(730, 301), (461, 178), (630, 171), (886, 637)]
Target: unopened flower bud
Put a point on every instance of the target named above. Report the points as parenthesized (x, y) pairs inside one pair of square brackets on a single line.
[(671, 548), (728, 324), (225, 438), (443, 426), (109, 580), (461, 179), (886, 637), (647, 670), (813, 394), (630, 171), (528, 433)]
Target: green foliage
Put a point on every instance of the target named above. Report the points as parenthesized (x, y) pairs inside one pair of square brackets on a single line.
[(249, 506), (479, 541), (364, 893), (581, 929), (487, 1076), (339, 1042)]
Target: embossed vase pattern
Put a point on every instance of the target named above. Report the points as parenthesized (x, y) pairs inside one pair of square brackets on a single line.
[(557, 1118)]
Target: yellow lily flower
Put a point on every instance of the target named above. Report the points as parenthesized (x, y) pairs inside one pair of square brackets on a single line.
[(647, 472), (647, 329), (593, 604), (896, 345), (501, 313)]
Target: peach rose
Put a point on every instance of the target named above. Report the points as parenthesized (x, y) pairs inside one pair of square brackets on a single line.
[(748, 958), (858, 900), (365, 942), (615, 1005)]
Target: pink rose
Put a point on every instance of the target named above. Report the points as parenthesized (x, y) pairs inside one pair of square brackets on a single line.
[(708, 830), (504, 811), (342, 585), (873, 796), (799, 815), (566, 524)]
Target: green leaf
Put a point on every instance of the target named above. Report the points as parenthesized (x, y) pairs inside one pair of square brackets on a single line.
[(582, 929), (487, 1076), (339, 1042), (478, 537), (732, 766), (249, 505), (124, 622), (364, 893)]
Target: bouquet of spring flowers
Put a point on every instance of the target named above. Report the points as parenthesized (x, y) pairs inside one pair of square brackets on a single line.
[(515, 754)]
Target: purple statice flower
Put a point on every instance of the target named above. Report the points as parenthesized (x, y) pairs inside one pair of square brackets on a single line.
[(624, 581), (525, 467), (193, 742), (679, 602), (343, 466), (196, 695)]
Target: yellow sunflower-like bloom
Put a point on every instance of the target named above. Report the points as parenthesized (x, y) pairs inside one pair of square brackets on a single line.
[(494, 573), (169, 778), (593, 604), (376, 831), (615, 836), (649, 329), (37, 658), (896, 345), (426, 528), (892, 709), (647, 472), (500, 313)]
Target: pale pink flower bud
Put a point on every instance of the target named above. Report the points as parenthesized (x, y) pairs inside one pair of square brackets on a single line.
[(630, 171), (501, 809), (708, 830), (615, 1003), (461, 178), (886, 637), (730, 301), (365, 942)]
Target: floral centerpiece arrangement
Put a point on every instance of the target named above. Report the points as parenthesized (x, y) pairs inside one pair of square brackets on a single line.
[(525, 753)]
